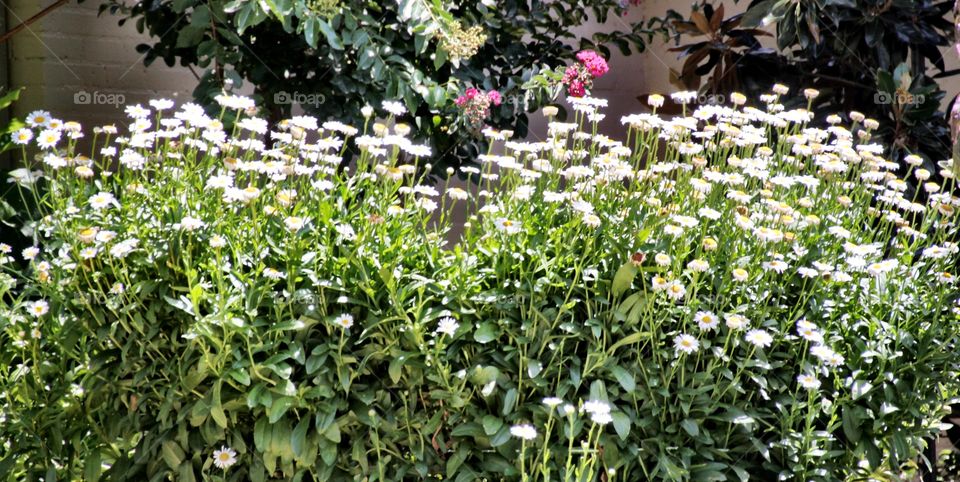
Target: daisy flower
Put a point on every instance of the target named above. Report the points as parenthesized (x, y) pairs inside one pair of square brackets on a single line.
[(101, 200), (457, 194), (217, 241), (190, 223), (39, 308), (30, 253), (659, 283), (447, 326), (736, 322), (38, 118), (698, 266), (706, 320), (591, 220), (224, 458), (508, 226), (294, 223), (596, 406), (676, 291), (686, 344), (48, 138), (601, 418), (810, 334), (344, 320), (808, 381), (22, 136), (394, 108), (525, 431), (662, 259), (552, 402), (776, 266), (759, 338)]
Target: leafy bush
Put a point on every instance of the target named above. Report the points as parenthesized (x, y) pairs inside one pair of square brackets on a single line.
[(9, 199), (762, 301), (335, 57), (863, 55)]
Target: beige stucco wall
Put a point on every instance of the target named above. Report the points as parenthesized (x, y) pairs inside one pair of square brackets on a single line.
[(77, 64)]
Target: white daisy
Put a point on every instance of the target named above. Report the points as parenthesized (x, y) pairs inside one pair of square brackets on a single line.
[(808, 381), (508, 226), (394, 108), (38, 308), (759, 338), (344, 320), (38, 118), (447, 326), (525, 431), (102, 200), (686, 344), (224, 458), (48, 138), (22, 136), (706, 320)]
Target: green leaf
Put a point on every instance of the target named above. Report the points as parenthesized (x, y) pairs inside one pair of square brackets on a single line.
[(491, 424), (395, 368), (10, 97), (624, 278), (509, 401), (851, 424), (621, 424), (753, 17), (172, 454), (189, 36), (310, 28), (91, 468), (216, 409), (180, 5), (298, 439), (186, 473), (624, 378), (279, 408), (332, 39), (690, 427), (628, 340), (486, 333)]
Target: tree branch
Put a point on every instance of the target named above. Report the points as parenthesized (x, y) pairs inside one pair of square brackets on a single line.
[(26, 23)]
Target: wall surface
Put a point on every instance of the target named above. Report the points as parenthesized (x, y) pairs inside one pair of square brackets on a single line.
[(81, 66)]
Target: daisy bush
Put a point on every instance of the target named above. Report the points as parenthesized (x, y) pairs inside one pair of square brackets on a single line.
[(728, 295)]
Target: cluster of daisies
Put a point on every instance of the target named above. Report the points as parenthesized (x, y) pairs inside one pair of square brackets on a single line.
[(720, 209)]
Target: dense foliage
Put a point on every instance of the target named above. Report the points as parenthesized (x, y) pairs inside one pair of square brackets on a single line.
[(9, 204), (870, 56), (761, 302), (335, 57)]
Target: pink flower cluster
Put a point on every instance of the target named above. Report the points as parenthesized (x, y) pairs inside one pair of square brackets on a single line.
[(475, 105), (594, 63), (578, 78)]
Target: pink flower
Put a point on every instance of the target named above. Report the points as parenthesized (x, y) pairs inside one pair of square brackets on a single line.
[(495, 97), (594, 63), (471, 93), (461, 101), (576, 88), (585, 56)]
